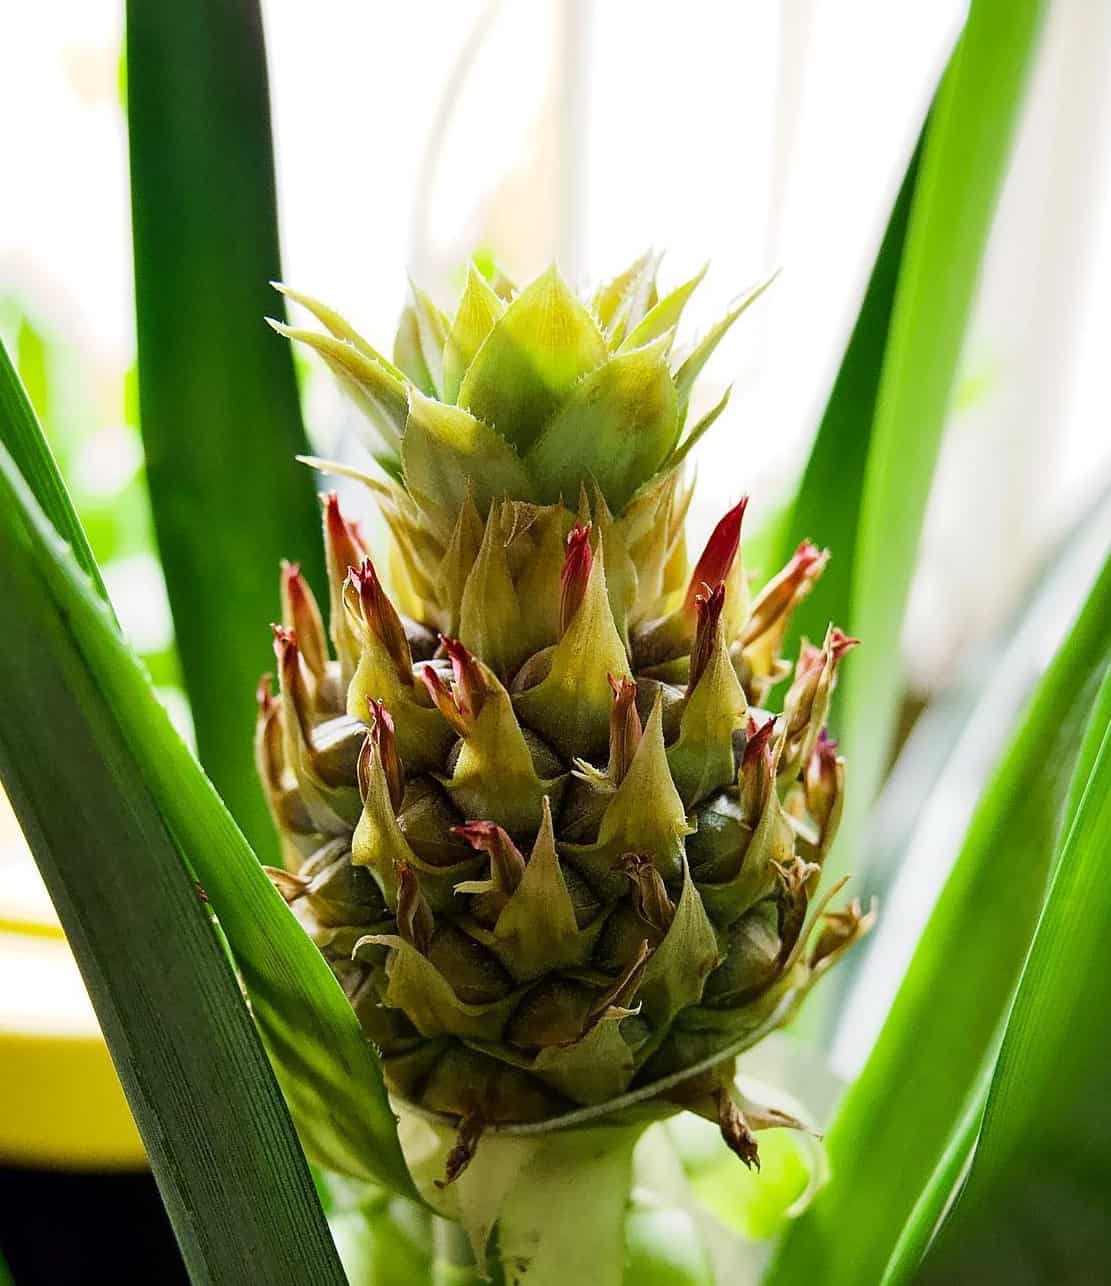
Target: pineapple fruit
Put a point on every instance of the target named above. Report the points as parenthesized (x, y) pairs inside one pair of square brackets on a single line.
[(534, 810)]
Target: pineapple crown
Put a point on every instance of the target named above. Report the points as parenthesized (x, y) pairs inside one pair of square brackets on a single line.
[(529, 395)]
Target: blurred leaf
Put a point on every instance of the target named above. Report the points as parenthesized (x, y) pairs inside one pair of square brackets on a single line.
[(663, 1248), (755, 1203), (928, 799), (1034, 1208), (937, 1194), (331, 1076), (220, 416), (383, 1242), (163, 667), (31, 359), (21, 435), (963, 162), (219, 1137), (119, 525), (897, 1117)]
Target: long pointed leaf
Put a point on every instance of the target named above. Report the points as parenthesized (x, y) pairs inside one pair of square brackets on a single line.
[(962, 168), (928, 799), (28, 447), (220, 417), (898, 1116), (936, 1197), (219, 1137), (331, 1076), (1034, 1208)]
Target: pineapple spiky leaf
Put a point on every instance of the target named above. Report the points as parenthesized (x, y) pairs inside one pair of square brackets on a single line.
[(536, 351)]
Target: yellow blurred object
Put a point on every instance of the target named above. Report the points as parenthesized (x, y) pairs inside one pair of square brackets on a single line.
[(60, 1099)]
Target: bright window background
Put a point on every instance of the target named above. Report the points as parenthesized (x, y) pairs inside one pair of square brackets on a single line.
[(751, 134)]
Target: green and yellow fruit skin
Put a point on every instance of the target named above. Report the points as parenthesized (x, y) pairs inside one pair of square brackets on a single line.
[(532, 807)]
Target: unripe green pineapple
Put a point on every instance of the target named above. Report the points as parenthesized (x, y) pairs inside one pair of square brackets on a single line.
[(532, 811)]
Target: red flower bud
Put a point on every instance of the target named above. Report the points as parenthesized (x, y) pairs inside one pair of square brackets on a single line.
[(264, 697), (506, 862), (291, 675), (301, 614), (382, 618), (575, 576), (780, 596), (414, 916), (757, 777), (708, 604), (462, 703), (840, 643), (342, 546), (441, 696), (820, 781), (383, 743), (713, 568), (625, 727), (840, 929), (269, 738), (811, 659), (650, 896), (758, 747), (470, 686)]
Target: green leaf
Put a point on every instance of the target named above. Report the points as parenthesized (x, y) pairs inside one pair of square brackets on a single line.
[(900, 1113), (935, 1197), (691, 368), (607, 299), (617, 426), (638, 298), (542, 344), (20, 433), (219, 1137), (376, 388), (963, 162), (331, 1076), (220, 417), (958, 738), (663, 1248), (338, 327), (1034, 1207), (664, 317), (32, 360), (570, 707), (699, 431), (432, 330), (408, 353), (479, 309), (382, 1242), (678, 968), (446, 450)]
